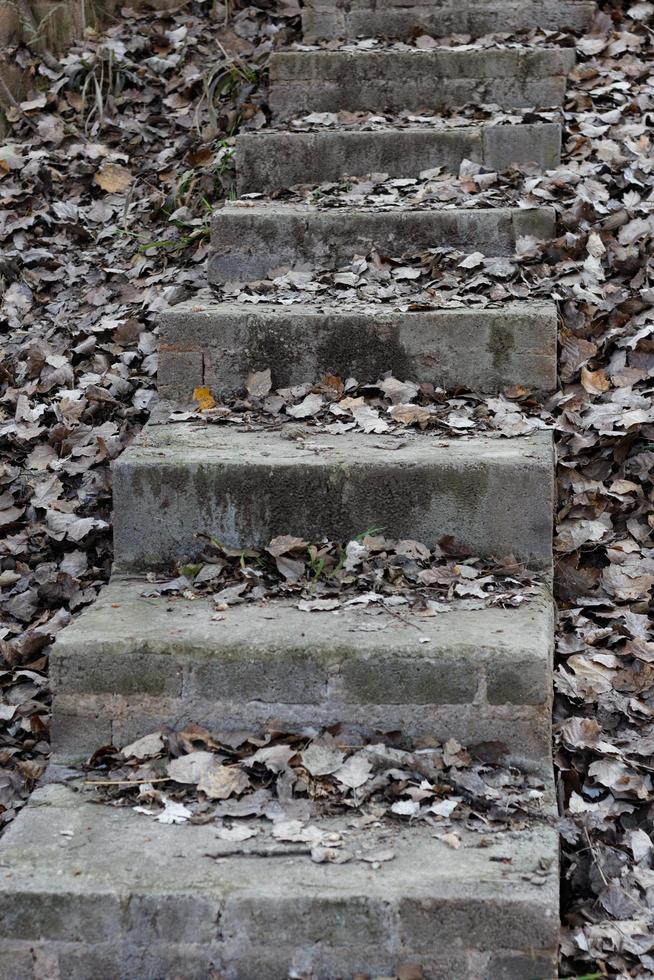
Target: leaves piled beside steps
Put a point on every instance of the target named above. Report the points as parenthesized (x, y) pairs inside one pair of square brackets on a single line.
[(198, 776), (337, 406), (107, 171), (371, 569)]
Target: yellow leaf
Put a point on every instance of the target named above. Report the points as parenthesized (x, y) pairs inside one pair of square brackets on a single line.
[(204, 398), (113, 178)]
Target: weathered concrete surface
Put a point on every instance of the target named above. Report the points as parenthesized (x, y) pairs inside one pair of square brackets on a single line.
[(268, 161), (248, 240), (83, 722), (135, 661), (178, 479), (394, 81), (91, 891), (327, 19), (220, 344)]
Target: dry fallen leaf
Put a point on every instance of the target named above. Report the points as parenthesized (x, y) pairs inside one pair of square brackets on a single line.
[(193, 767), (113, 178), (595, 382), (222, 782), (204, 398), (259, 384)]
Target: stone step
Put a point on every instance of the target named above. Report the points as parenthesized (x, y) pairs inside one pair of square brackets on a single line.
[(249, 240), (394, 81), (91, 891), (327, 19), (268, 161), (246, 487), (202, 342), (134, 661)]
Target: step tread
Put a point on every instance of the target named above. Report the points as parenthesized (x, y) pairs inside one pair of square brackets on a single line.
[(219, 344), (329, 18), (478, 61), (206, 304), (250, 239), (88, 883), (179, 479), (303, 209), (313, 447), (358, 127), (272, 159), (127, 611)]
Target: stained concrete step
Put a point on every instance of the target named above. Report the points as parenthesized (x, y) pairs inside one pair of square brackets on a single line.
[(246, 487), (268, 161), (202, 342), (394, 81), (91, 891), (135, 661), (249, 240), (327, 19)]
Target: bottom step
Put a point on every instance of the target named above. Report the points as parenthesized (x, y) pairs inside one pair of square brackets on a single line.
[(90, 891)]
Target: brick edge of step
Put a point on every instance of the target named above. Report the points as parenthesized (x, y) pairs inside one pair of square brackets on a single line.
[(268, 161), (84, 722)]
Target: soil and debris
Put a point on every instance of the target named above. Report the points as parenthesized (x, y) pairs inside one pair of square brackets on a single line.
[(108, 176)]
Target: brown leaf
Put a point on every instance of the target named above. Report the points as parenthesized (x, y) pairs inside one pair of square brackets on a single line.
[(595, 382), (113, 178), (220, 783)]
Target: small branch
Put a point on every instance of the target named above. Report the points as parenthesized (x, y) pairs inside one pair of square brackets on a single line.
[(125, 782)]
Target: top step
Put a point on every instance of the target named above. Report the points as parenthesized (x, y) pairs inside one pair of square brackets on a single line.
[(390, 80), (327, 19)]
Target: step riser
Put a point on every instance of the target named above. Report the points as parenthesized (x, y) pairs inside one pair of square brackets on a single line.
[(247, 243), (324, 20), (302, 82), (84, 722), (163, 501), (269, 161), (486, 350)]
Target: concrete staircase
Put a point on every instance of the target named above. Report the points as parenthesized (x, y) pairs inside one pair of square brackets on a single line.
[(88, 891)]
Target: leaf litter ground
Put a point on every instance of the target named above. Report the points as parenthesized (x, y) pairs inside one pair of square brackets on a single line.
[(107, 176)]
